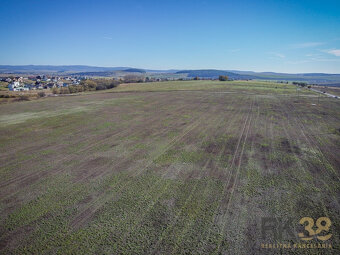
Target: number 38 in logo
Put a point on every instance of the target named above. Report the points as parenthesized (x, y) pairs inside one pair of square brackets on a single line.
[(322, 224)]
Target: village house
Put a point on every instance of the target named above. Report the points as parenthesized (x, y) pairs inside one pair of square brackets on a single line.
[(17, 86)]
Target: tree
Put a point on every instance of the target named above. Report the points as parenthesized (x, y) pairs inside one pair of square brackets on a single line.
[(223, 78), (302, 84), (64, 90), (88, 84), (55, 91), (130, 78)]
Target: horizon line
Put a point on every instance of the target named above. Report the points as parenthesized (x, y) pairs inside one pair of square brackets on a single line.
[(168, 69)]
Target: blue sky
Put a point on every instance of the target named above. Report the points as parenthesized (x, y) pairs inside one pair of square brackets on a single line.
[(282, 36)]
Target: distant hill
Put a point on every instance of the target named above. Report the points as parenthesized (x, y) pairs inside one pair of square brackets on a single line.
[(41, 69), (83, 70), (111, 73), (134, 70), (311, 78), (99, 74), (318, 78), (212, 73)]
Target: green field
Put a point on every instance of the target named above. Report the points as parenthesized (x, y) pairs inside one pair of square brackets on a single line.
[(185, 167), (235, 86)]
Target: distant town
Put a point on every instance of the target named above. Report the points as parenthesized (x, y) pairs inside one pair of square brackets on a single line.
[(39, 82)]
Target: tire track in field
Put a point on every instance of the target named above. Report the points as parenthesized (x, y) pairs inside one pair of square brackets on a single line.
[(311, 146), (234, 157), (138, 222), (92, 208), (249, 120), (284, 111), (284, 126), (312, 143), (229, 168), (163, 192), (189, 224), (238, 220), (271, 124), (169, 228), (153, 187)]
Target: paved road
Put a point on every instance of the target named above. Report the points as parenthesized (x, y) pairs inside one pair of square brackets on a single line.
[(327, 94)]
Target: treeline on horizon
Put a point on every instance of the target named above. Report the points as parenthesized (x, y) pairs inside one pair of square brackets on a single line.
[(105, 83), (101, 84), (88, 85)]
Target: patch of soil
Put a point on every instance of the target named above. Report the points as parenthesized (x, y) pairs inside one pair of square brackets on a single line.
[(286, 146), (213, 148)]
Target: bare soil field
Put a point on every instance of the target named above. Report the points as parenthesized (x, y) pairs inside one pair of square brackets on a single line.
[(168, 168)]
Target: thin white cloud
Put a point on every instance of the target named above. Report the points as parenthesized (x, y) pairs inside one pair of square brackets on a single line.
[(307, 45), (334, 52), (313, 55), (280, 55), (107, 38), (277, 54)]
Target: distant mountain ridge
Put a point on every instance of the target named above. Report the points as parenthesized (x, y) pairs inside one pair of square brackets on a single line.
[(55, 69), (318, 78), (134, 70), (214, 74)]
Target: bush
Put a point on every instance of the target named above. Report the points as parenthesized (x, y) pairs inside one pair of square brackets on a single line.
[(223, 78), (100, 87), (131, 78), (64, 90), (106, 84), (88, 85), (302, 84), (41, 94), (23, 98), (55, 91)]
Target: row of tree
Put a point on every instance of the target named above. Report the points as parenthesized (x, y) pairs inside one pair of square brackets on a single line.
[(101, 84), (220, 78), (88, 85), (302, 84)]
